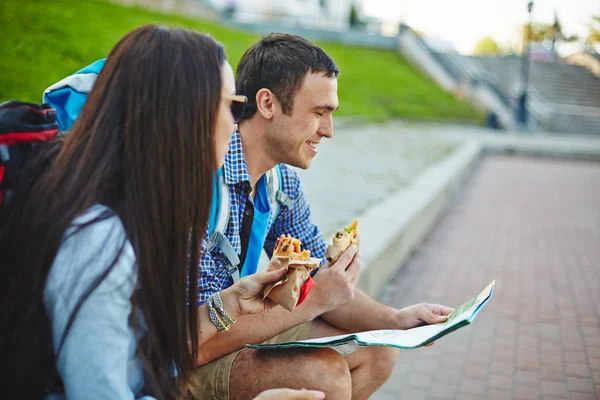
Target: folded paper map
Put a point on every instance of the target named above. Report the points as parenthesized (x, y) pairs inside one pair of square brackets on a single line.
[(404, 339)]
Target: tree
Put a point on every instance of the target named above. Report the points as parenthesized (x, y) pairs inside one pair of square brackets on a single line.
[(594, 27), (540, 31), (486, 47), (558, 33), (536, 32)]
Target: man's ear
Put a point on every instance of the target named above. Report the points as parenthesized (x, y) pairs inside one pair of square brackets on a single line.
[(266, 103)]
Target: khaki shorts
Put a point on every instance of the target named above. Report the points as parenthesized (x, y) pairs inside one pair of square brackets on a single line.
[(212, 379)]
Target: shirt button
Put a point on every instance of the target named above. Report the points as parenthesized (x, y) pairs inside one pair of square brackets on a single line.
[(248, 212)]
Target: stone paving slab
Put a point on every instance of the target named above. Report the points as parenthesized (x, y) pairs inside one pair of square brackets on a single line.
[(534, 226)]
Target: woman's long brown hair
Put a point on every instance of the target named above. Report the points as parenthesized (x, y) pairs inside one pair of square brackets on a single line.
[(143, 146)]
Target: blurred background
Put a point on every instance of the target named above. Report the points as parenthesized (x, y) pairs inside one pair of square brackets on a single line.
[(510, 64), (467, 142)]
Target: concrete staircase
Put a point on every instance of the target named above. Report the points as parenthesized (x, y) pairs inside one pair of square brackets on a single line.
[(562, 97)]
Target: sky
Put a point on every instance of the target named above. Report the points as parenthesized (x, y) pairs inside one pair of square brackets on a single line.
[(464, 22)]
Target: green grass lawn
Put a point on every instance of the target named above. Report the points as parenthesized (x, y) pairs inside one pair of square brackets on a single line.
[(42, 41)]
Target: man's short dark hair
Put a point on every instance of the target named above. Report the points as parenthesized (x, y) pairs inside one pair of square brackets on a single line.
[(279, 62)]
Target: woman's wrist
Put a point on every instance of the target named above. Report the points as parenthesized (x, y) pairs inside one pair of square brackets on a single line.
[(229, 298)]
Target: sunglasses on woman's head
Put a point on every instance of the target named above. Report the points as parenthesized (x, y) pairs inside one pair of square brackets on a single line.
[(238, 104)]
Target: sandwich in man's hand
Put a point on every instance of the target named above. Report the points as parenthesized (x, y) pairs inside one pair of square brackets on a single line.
[(291, 290), (341, 241)]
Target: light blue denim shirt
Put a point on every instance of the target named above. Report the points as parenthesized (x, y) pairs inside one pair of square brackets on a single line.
[(98, 359)]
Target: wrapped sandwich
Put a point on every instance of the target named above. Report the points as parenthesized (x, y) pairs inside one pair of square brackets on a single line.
[(341, 241), (291, 290)]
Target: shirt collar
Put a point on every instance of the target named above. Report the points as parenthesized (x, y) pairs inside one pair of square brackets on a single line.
[(235, 167)]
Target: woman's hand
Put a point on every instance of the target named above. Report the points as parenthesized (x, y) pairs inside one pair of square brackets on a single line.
[(245, 296), (290, 394)]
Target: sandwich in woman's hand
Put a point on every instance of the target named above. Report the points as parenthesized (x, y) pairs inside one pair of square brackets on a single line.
[(341, 241), (292, 289), (287, 246)]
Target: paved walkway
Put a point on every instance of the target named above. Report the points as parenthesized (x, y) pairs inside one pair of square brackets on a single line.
[(534, 226)]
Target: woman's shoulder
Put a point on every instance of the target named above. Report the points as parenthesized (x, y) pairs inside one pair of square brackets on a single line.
[(94, 247), (99, 217)]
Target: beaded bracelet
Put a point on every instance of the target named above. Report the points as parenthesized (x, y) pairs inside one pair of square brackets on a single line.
[(217, 302), (221, 327)]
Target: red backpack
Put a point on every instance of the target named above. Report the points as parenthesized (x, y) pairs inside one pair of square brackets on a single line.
[(22, 127)]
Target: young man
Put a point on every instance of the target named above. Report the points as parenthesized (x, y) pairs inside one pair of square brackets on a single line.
[(291, 85)]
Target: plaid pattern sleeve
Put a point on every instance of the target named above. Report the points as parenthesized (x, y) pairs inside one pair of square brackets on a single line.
[(212, 276), (296, 221)]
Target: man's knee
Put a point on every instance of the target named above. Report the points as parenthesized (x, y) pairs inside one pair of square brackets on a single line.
[(381, 362), (326, 370), (316, 369), (331, 362)]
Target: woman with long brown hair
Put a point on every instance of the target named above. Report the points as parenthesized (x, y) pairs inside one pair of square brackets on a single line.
[(100, 255)]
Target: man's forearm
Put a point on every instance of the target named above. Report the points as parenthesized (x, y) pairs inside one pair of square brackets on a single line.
[(361, 314), (253, 329)]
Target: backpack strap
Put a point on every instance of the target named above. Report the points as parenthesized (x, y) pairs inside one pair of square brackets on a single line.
[(219, 213), (4, 154), (219, 219), (277, 197)]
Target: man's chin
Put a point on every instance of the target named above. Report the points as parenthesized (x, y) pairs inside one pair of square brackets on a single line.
[(301, 162), (304, 164)]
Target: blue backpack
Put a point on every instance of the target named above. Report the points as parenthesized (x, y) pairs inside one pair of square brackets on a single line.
[(68, 97)]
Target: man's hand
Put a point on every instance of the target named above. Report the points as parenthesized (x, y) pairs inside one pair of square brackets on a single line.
[(420, 314), (335, 283)]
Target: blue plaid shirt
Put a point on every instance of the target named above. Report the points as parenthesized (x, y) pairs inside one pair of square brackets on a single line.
[(213, 276)]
